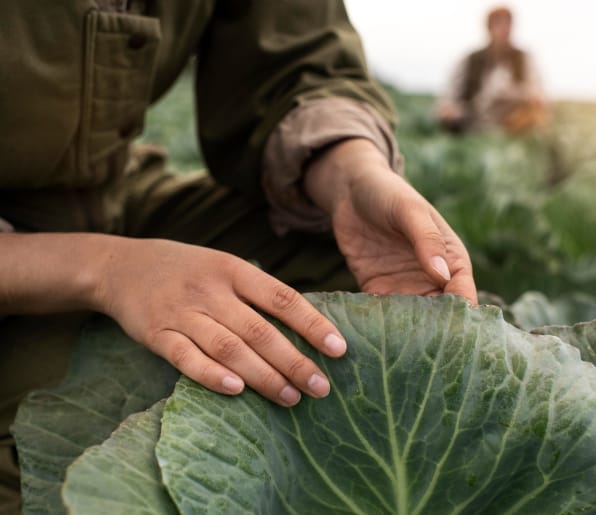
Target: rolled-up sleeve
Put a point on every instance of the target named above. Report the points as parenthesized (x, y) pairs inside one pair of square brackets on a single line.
[(261, 62), (307, 129), (5, 226)]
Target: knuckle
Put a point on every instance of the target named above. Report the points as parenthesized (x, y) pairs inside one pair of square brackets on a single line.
[(433, 236), (202, 374), (180, 355), (258, 331), (314, 323), (296, 365), (225, 347), (235, 266), (285, 298), (194, 289), (430, 238), (269, 381)]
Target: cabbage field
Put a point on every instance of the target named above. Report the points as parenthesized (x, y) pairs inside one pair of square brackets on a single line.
[(437, 408), (525, 207)]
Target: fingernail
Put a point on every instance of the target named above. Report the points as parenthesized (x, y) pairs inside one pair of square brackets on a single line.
[(232, 384), (289, 396), (319, 386), (440, 265), (334, 345)]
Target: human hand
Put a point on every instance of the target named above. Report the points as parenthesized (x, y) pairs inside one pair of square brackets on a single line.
[(193, 306), (449, 112), (394, 241)]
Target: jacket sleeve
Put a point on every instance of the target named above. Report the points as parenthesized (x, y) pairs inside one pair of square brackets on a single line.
[(261, 58), (305, 131)]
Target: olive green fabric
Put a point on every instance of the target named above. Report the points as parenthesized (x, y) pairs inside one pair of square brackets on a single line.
[(76, 81), (9, 478), (34, 351), (75, 84), (189, 208), (261, 58)]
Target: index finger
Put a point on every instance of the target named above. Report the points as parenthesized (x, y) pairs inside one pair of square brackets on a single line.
[(286, 304)]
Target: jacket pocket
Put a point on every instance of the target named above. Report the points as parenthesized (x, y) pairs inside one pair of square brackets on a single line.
[(120, 60)]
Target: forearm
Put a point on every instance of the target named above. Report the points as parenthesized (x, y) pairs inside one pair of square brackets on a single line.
[(191, 305), (51, 272)]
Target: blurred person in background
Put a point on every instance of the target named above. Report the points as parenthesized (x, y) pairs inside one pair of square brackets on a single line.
[(495, 87)]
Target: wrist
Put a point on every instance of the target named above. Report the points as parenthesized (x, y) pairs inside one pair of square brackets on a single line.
[(330, 176), (52, 272), (84, 279), (103, 276)]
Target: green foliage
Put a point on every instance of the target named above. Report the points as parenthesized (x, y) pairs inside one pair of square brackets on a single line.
[(581, 336), (437, 408), (171, 123), (533, 309), (110, 378), (126, 467), (523, 206)]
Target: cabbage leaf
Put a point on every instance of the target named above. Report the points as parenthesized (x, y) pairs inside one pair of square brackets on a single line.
[(437, 408), (109, 378)]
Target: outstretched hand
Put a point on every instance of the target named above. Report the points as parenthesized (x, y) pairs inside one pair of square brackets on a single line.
[(394, 241), (194, 307)]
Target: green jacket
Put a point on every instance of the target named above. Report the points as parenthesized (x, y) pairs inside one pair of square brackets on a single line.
[(75, 81)]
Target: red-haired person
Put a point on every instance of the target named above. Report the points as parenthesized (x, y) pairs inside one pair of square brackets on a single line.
[(494, 87)]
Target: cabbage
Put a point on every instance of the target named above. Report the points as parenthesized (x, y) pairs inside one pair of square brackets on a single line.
[(438, 407)]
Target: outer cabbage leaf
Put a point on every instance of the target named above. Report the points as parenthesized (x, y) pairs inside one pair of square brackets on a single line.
[(109, 378), (121, 475), (582, 336), (534, 309), (437, 408), (211, 450)]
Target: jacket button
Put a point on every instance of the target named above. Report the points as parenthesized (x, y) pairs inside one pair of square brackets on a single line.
[(137, 41)]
